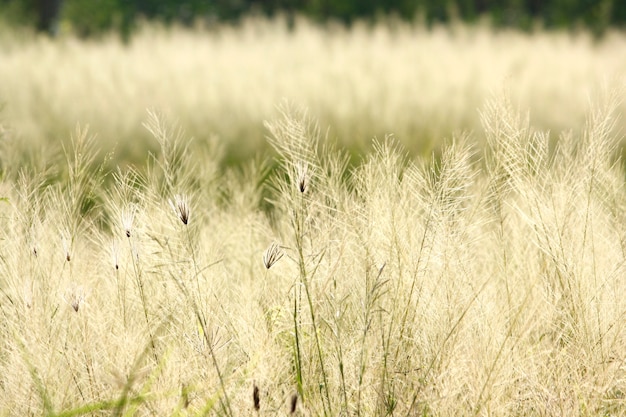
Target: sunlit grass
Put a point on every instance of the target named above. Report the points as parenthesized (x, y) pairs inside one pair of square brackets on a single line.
[(462, 285), (221, 84), (484, 279)]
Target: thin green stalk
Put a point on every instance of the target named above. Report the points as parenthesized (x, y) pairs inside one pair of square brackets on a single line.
[(101, 406)]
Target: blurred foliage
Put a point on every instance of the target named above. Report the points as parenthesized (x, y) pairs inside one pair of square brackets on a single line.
[(89, 17)]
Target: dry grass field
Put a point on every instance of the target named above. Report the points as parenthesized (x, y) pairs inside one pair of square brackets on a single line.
[(421, 85), (145, 274)]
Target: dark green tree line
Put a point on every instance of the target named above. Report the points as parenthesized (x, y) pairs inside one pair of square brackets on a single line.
[(88, 17)]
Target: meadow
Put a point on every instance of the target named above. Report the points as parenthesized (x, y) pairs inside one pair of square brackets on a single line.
[(386, 220), (420, 84)]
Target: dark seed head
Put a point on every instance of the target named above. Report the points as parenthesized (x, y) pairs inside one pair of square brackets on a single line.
[(294, 403), (272, 255), (256, 398), (302, 174), (180, 204)]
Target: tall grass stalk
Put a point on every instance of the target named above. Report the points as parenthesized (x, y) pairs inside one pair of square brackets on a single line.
[(172, 173), (295, 138)]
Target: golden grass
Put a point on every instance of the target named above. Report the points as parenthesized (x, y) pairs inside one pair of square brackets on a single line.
[(485, 281), (418, 84)]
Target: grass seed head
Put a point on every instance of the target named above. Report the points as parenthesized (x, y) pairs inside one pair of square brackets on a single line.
[(272, 255), (302, 176), (294, 403), (67, 250), (75, 296), (180, 205), (128, 217)]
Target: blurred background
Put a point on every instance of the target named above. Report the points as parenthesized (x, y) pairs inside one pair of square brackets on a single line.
[(420, 70)]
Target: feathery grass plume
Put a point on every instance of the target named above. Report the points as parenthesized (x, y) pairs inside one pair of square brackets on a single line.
[(194, 299), (295, 137), (28, 205), (79, 194), (272, 255), (181, 208), (174, 162), (600, 140), (377, 227), (126, 199), (301, 176), (507, 132), (603, 172), (517, 166), (127, 219), (454, 179)]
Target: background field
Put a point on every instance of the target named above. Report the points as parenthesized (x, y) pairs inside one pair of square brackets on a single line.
[(362, 83), (467, 261)]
